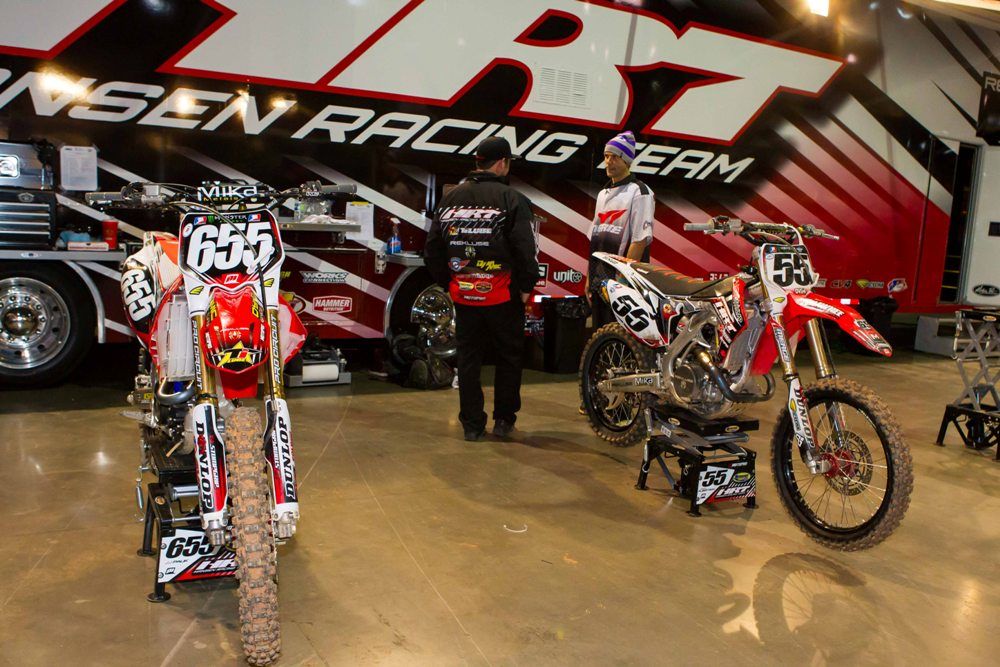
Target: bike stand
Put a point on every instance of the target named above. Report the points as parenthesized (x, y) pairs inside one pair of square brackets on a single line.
[(976, 420), (714, 467), (182, 550)]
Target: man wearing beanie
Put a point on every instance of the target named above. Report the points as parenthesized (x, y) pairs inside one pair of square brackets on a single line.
[(481, 247), (623, 221)]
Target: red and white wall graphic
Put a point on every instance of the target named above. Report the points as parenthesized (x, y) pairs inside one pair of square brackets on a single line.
[(758, 114)]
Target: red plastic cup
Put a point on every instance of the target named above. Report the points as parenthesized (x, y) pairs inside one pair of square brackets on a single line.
[(110, 229)]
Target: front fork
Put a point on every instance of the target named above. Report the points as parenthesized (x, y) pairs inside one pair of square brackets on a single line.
[(278, 442), (210, 449), (798, 409)]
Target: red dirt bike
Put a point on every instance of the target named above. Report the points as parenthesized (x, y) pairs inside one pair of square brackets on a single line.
[(207, 310), (841, 466)]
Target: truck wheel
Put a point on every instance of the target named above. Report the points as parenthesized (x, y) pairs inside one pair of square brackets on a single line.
[(46, 323), (424, 310)]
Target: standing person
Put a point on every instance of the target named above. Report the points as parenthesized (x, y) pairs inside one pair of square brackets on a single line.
[(623, 221), (481, 247)]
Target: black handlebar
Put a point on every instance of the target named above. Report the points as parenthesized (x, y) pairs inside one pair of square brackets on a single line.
[(163, 194), (99, 197), (725, 225)]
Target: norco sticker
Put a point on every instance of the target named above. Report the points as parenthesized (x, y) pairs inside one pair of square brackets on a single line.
[(333, 304), (324, 277)]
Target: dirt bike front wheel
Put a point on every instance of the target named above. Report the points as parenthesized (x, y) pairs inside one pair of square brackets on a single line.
[(253, 539), (610, 351), (863, 496)]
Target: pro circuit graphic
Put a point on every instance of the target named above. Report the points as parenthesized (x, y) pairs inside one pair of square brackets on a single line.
[(807, 124)]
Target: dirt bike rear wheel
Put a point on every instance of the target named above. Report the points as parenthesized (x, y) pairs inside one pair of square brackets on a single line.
[(612, 347), (871, 474), (253, 538)]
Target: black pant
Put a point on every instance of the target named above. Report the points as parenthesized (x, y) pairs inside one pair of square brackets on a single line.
[(600, 311), (479, 328)]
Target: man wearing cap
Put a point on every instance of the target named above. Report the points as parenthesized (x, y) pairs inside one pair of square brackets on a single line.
[(481, 247), (623, 221)]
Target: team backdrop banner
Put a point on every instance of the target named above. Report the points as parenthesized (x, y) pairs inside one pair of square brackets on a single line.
[(757, 109)]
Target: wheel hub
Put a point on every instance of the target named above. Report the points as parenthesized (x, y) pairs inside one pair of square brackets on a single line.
[(34, 323), (20, 321)]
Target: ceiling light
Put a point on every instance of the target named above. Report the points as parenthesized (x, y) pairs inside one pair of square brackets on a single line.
[(820, 7)]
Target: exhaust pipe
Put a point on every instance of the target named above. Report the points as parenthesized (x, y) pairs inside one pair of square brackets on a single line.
[(179, 398), (716, 374)]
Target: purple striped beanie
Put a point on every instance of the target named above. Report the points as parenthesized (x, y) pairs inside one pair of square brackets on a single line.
[(622, 145)]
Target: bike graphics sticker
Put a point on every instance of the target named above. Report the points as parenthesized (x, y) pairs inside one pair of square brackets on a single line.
[(633, 313), (716, 484), (187, 556), (229, 254)]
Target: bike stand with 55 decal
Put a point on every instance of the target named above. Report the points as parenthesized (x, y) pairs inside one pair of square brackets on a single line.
[(184, 553), (714, 467)]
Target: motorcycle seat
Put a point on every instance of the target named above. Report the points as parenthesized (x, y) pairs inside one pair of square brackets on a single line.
[(672, 283)]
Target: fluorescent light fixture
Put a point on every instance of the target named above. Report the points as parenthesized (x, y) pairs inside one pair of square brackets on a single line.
[(820, 7)]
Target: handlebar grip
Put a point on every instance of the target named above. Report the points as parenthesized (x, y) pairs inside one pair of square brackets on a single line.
[(699, 226), (95, 197), (348, 189)]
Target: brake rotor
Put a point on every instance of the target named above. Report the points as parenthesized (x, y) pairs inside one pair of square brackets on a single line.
[(850, 462)]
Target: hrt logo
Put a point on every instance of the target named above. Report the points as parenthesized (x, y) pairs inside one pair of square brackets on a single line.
[(741, 74)]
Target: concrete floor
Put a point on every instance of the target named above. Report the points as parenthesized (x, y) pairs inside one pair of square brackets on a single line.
[(406, 553)]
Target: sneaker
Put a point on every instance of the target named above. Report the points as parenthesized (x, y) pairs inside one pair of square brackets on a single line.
[(502, 428), (472, 435)]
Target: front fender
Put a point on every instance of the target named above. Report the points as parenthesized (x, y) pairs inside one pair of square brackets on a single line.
[(802, 308)]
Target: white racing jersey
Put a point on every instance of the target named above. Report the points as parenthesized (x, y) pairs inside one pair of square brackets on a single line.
[(624, 216)]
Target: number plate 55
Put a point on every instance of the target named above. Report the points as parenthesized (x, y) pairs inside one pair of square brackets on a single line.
[(785, 268)]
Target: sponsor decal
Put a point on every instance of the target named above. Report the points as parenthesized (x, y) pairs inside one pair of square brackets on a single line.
[(324, 277), (221, 193), (840, 284), (465, 286), (897, 285), (864, 283), (820, 307), (484, 287), (485, 214), (821, 282), (456, 264), (568, 276), (985, 289), (285, 461), (647, 381), (543, 275), (488, 265), (333, 304)]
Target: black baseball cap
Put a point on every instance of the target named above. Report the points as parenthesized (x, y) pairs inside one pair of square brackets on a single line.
[(494, 148)]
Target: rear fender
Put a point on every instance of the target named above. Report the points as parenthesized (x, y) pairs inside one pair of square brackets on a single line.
[(801, 309), (633, 313)]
